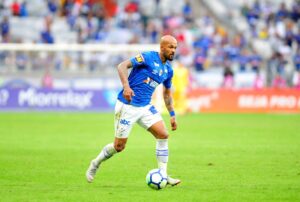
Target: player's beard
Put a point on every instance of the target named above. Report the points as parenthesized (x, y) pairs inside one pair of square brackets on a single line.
[(169, 57)]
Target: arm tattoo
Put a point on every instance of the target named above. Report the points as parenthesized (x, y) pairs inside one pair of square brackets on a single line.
[(168, 100)]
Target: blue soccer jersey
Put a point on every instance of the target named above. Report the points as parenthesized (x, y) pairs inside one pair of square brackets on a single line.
[(147, 73)]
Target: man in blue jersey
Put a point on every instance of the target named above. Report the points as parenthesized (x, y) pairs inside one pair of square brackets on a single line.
[(149, 69)]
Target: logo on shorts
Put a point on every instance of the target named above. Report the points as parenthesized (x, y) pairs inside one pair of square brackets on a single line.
[(125, 122), (152, 110)]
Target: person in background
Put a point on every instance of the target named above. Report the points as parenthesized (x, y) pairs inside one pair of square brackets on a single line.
[(255, 61), (200, 59), (228, 80), (296, 80), (296, 60), (258, 81), (180, 83), (296, 76), (46, 34), (52, 6), (23, 9), (47, 80), (278, 81), (5, 30), (15, 8)]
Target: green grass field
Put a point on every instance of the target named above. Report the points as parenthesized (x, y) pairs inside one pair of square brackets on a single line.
[(218, 157)]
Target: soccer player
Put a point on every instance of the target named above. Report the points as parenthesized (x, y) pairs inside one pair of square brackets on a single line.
[(133, 105)]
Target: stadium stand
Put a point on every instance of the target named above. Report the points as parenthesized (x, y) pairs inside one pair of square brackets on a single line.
[(254, 40)]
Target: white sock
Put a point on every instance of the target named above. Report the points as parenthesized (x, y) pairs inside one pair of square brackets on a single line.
[(107, 152), (162, 153)]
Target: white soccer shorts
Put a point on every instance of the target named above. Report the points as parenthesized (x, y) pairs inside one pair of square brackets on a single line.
[(127, 115)]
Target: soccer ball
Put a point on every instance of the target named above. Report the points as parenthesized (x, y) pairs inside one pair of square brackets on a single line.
[(156, 179)]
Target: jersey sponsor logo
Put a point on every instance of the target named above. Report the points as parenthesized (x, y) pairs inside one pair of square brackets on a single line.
[(125, 122), (139, 58), (147, 80), (151, 82), (156, 64)]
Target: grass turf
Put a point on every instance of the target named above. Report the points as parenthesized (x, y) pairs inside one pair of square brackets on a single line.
[(218, 157)]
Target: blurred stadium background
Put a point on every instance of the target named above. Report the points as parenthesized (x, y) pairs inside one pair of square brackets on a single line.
[(239, 59), (233, 56)]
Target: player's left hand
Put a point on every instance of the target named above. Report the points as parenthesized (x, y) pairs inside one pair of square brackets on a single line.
[(173, 122)]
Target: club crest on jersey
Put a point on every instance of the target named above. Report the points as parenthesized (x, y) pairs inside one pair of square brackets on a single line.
[(160, 72), (139, 58), (151, 82)]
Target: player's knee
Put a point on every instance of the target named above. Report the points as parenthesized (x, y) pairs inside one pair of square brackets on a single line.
[(163, 136), (166, 136), (119, 147)]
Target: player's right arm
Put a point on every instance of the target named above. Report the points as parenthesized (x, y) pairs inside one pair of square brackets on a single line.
[(123, 74)]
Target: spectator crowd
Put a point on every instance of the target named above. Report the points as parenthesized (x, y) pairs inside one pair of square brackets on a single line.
[(204, 43)]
